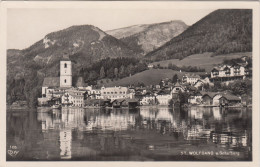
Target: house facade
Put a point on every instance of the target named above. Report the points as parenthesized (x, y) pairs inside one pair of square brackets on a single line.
[(190, 78), (115, 93), (229, 71)]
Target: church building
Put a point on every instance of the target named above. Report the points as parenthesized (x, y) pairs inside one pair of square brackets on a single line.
[(53, 86)]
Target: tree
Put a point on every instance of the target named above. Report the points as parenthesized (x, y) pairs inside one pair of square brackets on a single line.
[(92, 76), (110, 73), (122, 71), (170, 66), (116, 72), (175, 78), (102, 73)]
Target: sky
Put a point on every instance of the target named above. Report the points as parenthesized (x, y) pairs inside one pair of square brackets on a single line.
[(28, 25)]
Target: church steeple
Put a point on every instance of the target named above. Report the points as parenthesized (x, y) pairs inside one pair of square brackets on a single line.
[(65, 72)]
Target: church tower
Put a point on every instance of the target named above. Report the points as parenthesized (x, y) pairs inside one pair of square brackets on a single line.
[(65, 73)]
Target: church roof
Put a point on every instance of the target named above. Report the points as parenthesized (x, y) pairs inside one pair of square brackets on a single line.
[(51, 82)]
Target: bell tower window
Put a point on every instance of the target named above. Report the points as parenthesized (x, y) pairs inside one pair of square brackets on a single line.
[(65, 65), (65, 81)]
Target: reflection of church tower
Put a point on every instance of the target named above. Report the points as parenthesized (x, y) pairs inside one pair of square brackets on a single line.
[(65, 144), (65, 73)]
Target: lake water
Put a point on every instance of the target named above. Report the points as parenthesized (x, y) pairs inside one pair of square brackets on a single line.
[(144, 134)]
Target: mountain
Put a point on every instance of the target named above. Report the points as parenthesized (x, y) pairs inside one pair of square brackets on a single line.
[(147, 37), (221, 32), (84, 45)]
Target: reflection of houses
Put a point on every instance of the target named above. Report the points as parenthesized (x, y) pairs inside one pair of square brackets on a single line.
[(112, 122), (216, 113), (147, 114), (164, 114)]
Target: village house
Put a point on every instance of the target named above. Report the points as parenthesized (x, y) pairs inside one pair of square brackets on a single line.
[(115, 93), (201, 82), (207, 97), (228, 99), (95, 93), (227, 71), (219, 98), (177, 88), (164, 97), (195, 99), (150, 66), (148, 99), (190, 78), (74, 97)]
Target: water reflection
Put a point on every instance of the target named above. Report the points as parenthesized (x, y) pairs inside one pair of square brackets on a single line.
[(122, 134)]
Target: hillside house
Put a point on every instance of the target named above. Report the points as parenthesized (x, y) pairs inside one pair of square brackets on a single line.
[(227, 71), (150, 66), (190, 78)]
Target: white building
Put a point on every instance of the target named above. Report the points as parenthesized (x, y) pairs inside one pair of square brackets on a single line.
[(195, 99), (73, 97), (177, 88), (148, 99), (190, 78), (229, 71), (164, 97), (115, 93)]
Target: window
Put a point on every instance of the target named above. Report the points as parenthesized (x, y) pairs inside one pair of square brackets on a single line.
[(65, 65), (65, 81)]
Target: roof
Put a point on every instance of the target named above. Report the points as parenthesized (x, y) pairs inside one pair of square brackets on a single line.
[(231, 97), (164, 92), (191, 75), (51, 82), (221, 67), (210, 94), (177, 84), (131, 100)]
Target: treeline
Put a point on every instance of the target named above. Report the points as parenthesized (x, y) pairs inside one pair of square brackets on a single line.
[(182, 68), (112, 69), (26, 88)]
